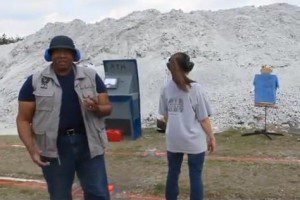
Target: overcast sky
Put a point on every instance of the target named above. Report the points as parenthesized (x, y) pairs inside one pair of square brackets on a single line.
[(24, 17)]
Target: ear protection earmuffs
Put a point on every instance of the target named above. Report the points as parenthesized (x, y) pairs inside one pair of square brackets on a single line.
[(187, 64), (48, 55)]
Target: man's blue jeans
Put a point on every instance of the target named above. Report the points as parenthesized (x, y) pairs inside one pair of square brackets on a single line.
[(195, 162), (74, 156)]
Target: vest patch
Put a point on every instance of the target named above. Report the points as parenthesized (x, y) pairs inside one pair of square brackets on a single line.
[(44, 82)]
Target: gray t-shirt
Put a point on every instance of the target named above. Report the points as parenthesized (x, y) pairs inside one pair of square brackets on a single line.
[(184, 110)]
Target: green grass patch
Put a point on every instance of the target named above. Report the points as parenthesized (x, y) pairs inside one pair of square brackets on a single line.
[(224, 180)]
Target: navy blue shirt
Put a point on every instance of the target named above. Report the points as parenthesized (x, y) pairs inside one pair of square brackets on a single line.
[(70, 112)]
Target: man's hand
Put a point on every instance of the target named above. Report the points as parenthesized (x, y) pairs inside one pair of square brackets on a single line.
[(35, 154), (99, 104), (24, 120), (91, 103)]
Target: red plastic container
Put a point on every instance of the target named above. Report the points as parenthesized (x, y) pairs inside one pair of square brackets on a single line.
[(115, 135), (111, 187)]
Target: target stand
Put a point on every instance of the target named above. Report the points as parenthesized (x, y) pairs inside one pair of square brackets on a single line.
[(264, 131)]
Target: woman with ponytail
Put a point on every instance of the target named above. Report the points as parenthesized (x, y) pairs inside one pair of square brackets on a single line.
[(186, 110)]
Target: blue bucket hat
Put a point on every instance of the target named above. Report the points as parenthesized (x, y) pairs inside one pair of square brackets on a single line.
[(61, 42)]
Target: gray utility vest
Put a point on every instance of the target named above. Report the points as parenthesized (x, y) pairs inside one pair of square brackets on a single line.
[(48, 95)]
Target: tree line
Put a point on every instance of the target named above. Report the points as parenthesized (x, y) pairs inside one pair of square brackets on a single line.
[(4, 39)]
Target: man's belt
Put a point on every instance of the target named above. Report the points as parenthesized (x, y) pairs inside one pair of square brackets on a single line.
[(71, 131)]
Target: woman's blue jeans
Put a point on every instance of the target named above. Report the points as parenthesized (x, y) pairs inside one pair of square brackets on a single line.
[(74, 157), (195, 163)]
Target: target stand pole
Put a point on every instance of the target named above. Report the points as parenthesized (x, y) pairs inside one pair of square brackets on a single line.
[(264, 131)]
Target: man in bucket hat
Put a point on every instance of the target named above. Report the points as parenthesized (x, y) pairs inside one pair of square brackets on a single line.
[(60, 121)]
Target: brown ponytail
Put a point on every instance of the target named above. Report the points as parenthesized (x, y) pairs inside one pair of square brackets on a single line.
[(177, 67)]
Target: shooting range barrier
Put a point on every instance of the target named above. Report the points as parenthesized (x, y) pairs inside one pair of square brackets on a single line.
[(122, 83)]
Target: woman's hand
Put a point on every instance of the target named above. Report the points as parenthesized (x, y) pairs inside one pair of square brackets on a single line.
[(212, 144)]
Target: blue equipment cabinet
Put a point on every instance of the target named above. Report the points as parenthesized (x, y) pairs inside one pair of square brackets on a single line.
[(122, 83)]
